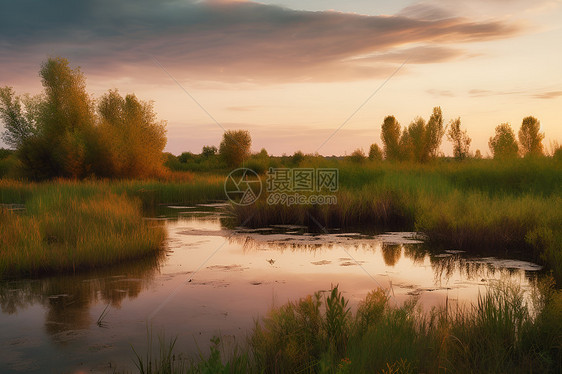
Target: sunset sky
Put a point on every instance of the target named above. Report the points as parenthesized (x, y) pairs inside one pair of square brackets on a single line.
[(292, 72)]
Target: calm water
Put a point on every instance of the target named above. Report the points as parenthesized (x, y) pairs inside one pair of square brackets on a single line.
[(217, 281)]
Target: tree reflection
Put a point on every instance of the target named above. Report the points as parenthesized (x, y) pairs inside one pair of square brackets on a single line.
[(68, 298), (391, 253)]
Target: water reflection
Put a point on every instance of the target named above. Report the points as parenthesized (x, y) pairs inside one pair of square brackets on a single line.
[(237, 276), (391, 253), (68, 298)]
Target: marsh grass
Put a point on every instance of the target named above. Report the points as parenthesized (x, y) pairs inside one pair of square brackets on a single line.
[(504, 331), (64, 230), (67, 226), (477, 206)]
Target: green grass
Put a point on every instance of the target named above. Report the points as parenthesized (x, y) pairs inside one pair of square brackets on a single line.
[(504, 331), (68, 226), (61, 232)]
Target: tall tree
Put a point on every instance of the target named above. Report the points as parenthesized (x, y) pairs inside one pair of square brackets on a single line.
[(503, 143), (390, 136), (459, 138), (64, 123), (416, 141), (530, 137), (434, 132), (235, 147)]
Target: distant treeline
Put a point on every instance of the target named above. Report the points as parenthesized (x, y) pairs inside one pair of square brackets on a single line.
[(64, 132)]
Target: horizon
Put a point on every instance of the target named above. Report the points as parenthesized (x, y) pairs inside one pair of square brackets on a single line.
[(291, 73)]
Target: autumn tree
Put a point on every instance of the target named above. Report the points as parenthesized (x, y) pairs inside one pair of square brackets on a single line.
[(459, 138), (390, 136), (132, 139), (59, 133), (235, 147), (375, 153), (503, 143), (530, 138)]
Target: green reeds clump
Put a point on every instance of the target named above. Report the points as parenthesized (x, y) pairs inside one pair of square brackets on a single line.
[(63, 229)]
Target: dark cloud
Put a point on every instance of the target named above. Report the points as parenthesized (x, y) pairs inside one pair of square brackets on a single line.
[(227, 41)]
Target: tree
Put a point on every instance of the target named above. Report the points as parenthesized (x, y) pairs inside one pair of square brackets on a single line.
[(262, 154), (478, 154), (235, 147), (414, 141), (390, 136), (459, 138), (60, 134), (530, 138), (434, 132), (20, 123), (186, 156), (132, 138), (375, 153), (503, 144), (209, 151), (357, 156), (61, 122), (297, 158)]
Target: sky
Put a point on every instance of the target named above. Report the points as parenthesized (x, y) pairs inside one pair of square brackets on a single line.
[(309, 75)]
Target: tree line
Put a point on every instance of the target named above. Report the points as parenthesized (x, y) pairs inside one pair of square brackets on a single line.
[(64, 132), (420, 141)]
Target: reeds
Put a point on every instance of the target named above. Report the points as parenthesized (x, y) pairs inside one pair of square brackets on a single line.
[(63, 230), (501, 333), (478, 205)]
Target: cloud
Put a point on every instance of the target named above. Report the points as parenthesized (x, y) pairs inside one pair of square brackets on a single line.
[(425, 54), (440, 93), (548, 95), (425, 11), (227, 41)]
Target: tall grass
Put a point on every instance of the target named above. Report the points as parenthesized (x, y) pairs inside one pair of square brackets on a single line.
[(504, 331), (188, 189), (479, 205), (62, 231), (72, 225)]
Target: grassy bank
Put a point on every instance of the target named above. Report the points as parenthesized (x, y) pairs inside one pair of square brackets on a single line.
[(59, 232), (67, 226), (478, 205), (503, 332)]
